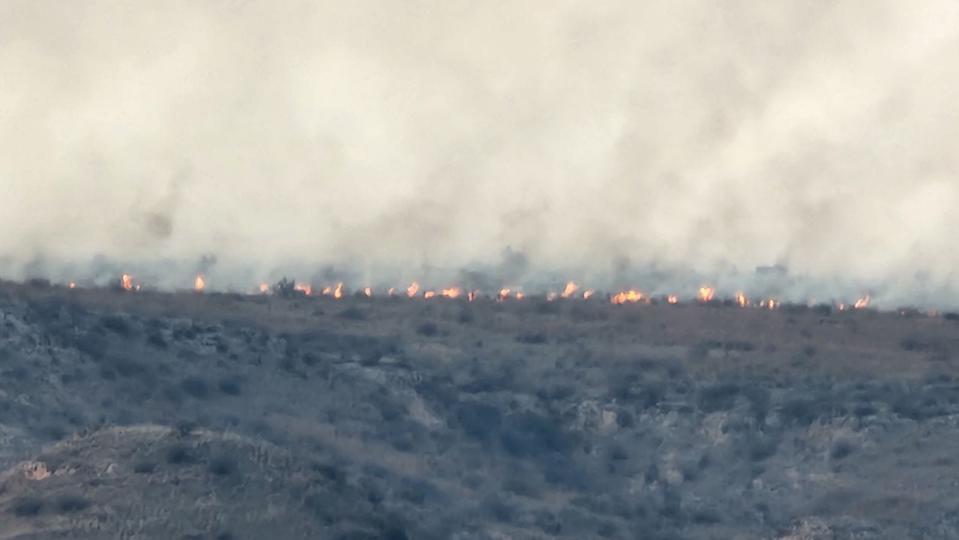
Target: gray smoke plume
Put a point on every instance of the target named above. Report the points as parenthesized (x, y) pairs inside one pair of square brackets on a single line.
[(653, 144)]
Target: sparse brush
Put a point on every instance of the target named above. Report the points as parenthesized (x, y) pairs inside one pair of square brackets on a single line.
[(428, 329), (27, 506)]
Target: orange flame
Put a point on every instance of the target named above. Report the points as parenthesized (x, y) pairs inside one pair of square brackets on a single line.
[(706, 294), (199, 283), (126, 281), (72, 285), (304, 288), (769, 303), (630, 295), (452, 292)]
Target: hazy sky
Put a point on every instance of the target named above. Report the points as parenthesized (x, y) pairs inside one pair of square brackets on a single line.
[(595, 137)]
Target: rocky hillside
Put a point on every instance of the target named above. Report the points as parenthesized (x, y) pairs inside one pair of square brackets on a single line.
[(224, 416)]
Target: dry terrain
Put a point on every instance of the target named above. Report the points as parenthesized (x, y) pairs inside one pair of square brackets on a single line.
[(218, 416)]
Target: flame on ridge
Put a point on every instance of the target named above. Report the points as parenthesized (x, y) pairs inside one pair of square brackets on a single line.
[(705, 294)]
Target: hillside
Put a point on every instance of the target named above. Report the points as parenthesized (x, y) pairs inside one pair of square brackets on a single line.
[(181, 415)]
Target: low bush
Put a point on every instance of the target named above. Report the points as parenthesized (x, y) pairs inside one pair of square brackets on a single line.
[(156, 339), (116, 324), (497, 508), (761, 447), (478, 420), (428, 329), (72, 503), (179, 455), (26, 506), (841, 449), (718, 397), (536, 338), (353, 313), (92, 344), (222, 465), (229, 386), (705, 516), (195, 386), (532, 435), (804, 411), (144, 467), (466, 316)]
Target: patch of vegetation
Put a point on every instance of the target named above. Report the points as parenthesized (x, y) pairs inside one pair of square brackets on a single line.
[(864, 409), (478, 420), (822, 310), (286, 288), (532, 338), (498, 509), (718, 397), (144, 467), (229, 386), (705, 516), (72, 503), (195, 387), (129, 368), (841, 449), (92, 344), (760, 447), (533, 435), (428, 329), (222, 465), (26, 506), (180, 455), (465, 316), (156, 339), (805, 411), (116, 324), (353, 313)]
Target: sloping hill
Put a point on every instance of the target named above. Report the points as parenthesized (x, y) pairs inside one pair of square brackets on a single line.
[(198, 416), (155, 482)]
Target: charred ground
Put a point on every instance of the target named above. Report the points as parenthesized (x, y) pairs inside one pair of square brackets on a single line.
[(228, 416)]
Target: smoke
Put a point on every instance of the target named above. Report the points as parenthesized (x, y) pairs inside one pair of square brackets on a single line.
[(618, 142)]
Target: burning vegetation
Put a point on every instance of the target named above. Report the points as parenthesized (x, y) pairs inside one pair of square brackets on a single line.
[(571, 291)]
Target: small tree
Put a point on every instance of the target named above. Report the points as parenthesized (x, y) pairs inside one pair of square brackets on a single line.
[(285, 288)]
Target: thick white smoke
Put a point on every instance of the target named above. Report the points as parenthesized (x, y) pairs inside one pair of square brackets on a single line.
[(613, 141)]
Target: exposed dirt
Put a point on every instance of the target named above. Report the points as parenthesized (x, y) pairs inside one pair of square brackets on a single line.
[(154, 415)]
